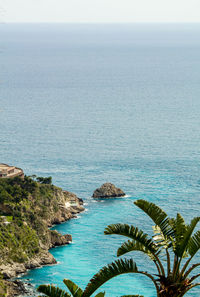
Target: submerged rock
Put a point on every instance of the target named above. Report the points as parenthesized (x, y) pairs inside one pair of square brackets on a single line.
[(108, 190)]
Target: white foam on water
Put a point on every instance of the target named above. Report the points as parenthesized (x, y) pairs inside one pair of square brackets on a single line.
[(77, 217)]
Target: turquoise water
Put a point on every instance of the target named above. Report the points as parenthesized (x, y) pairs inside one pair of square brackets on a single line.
[(88, 104)]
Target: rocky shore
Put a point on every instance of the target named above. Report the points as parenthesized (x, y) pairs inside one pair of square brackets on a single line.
[(28, 220), (17, 287), (69, 206), (45, 206)]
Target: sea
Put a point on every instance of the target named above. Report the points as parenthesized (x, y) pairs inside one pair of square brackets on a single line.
[(95, 103)]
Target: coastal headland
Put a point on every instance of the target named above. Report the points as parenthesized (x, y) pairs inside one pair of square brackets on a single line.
[(28, 208)]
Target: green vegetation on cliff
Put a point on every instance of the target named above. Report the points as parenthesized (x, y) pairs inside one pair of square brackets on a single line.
[(27, 209), (21, 242), (22, 214)]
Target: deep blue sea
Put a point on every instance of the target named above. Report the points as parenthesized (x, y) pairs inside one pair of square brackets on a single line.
[(87, 104)]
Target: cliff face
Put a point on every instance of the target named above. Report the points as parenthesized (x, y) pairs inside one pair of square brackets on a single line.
[(27, 210)]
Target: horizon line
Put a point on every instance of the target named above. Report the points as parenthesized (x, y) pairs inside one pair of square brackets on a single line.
[(101, 23)]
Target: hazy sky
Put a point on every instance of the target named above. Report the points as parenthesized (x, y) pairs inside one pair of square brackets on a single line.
[(100, 11)]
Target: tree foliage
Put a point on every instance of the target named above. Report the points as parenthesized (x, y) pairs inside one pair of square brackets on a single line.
[(44, 180)]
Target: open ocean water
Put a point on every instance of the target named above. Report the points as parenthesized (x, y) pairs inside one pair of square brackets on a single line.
[(88, 104)]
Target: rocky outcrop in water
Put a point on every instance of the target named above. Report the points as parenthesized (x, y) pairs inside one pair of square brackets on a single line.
[(57, 239), (108, 190)]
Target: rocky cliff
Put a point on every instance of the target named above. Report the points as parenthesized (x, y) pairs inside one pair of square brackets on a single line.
[(27, 210)]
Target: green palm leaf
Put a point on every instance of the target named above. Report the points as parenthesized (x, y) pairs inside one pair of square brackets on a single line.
[(125, 230), (194, 244), (158, 216), (180, 226), (52, 291), (133, 233), (152, 210), (75, 290), (180, 229), (107, 272), (187, 236), (132, 245)]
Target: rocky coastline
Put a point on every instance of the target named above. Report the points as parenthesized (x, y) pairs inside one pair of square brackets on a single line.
[(60, 206), (45, 205)]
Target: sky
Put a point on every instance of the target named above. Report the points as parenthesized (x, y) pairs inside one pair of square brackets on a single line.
[(100, 11)]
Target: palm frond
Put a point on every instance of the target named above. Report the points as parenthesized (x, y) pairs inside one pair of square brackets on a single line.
[(158, 216), (133, 233), (194, 244), (152, 210), (138, 236), (180, 229), (52, 291), (75, 290), (184, 244), (124, 230), (132, 245), (107, 272)]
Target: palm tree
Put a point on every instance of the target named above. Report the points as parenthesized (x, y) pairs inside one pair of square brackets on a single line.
[(173, 243)]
